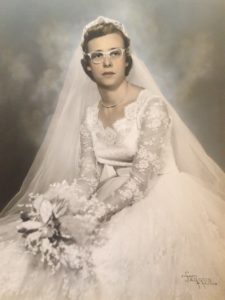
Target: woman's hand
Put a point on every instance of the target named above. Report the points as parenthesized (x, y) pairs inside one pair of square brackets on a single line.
[(112, 208), (81, 228), (77, 205)]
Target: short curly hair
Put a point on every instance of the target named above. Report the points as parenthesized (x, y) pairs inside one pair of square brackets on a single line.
[(102, 29)]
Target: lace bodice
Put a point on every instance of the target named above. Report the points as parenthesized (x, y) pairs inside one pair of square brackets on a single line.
[(139, 141)]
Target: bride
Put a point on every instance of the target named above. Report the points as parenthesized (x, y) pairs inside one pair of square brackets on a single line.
[(121, 202)]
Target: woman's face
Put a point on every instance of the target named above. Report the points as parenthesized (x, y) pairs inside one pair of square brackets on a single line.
[(117, 66)]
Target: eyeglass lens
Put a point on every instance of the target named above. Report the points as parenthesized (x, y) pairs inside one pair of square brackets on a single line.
[(98, 56)]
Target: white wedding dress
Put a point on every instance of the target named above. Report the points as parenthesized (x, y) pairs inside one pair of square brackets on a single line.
[(168, 240)]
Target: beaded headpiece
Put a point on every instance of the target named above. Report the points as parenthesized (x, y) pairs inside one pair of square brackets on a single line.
[(102, 20)]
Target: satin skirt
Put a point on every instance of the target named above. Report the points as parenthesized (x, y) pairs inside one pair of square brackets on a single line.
[(169, 245)]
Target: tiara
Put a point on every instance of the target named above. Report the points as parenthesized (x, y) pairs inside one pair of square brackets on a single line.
[(101, 20)]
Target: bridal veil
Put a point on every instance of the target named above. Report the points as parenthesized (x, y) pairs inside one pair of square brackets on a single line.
[(58, 156)]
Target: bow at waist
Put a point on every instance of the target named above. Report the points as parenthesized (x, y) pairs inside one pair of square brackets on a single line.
[(109, 171)]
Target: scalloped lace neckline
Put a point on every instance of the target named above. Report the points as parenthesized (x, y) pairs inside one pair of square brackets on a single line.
[(126, 108)]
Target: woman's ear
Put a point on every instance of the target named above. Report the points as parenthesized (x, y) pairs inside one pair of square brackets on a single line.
[(89, 68)]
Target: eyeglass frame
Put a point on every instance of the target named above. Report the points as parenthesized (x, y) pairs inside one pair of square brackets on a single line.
[(105, 53)]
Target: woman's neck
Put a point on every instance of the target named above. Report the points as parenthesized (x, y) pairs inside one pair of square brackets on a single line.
[(114, 96)]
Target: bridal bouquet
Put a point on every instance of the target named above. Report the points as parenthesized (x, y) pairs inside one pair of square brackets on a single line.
[(57, 235)]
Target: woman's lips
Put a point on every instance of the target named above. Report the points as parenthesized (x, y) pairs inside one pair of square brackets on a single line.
[(108, 73)]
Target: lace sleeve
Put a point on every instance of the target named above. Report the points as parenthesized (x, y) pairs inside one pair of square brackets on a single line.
[(89, 174), (86, 183), (89, 169), (147, 162)]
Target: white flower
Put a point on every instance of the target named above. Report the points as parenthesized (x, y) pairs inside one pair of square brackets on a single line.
[(46, 211), (36, 201), (32, 242), (29, 226), (71, 257), (45, 246), (59, 208)]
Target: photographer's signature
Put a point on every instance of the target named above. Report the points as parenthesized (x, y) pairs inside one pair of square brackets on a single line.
[(200, 281)]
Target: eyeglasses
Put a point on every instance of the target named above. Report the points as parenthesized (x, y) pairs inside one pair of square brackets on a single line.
[(97, 57)]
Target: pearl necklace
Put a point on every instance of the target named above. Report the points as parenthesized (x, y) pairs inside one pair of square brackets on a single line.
[(114, 105)]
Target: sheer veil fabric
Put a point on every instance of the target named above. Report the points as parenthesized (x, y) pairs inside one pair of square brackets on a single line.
[(58, 156)]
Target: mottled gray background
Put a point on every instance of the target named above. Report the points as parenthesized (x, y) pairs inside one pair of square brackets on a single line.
[(182, 42)]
